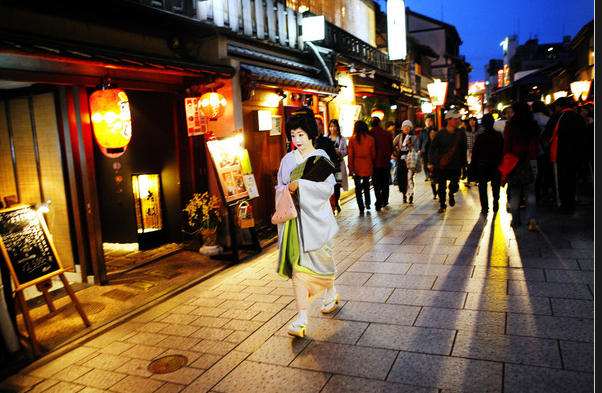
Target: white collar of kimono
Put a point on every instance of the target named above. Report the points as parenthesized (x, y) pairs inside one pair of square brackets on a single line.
[(299, 158)]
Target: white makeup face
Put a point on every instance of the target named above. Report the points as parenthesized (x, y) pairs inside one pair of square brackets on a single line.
[(301, 140)]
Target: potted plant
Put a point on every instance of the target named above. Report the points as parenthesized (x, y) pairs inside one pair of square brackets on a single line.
[(205, 214)]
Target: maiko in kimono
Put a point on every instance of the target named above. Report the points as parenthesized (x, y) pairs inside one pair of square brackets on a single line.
[(304, 243)]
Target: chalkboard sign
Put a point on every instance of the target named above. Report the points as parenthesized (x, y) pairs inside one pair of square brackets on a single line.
[(26, 246)]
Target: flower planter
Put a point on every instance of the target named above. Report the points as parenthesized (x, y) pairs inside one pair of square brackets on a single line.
[(210, 246)]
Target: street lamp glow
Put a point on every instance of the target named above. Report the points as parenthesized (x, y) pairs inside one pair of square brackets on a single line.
[(314, 28), (437, 92), (580, 89)]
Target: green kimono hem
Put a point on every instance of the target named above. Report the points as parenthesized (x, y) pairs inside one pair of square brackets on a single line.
[(290, 252)]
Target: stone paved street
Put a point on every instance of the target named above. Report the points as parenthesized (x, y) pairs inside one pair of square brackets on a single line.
[(430, 302)]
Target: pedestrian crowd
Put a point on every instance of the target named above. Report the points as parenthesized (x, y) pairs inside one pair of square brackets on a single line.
[(534, 151)]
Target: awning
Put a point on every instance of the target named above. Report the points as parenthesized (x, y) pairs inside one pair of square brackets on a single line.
[(25, 53), (270, 76)]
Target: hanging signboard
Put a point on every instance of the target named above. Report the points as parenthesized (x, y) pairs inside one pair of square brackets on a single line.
[(196, 123), (226, 156)]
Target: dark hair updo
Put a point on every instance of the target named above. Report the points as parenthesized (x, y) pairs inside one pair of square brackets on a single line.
[(305, 119)]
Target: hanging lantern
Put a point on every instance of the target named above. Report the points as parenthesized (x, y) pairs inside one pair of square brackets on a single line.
[(378, 113), (580, 90), (437, 92), (111, 120), (212, 105)]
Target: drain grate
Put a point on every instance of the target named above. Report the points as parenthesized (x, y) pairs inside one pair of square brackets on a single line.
[(141, 284), (167, 364), (162, 273), (118, 294)]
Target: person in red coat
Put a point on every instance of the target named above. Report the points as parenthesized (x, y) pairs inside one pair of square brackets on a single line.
[(383, 141), (521, 138), (361, 155), (566, 132)]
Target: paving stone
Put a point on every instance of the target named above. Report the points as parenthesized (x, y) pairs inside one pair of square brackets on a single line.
[(179, 342), (367, 294), (346, 359), (546, 263), (408, 338), (178, 330), (213, 347), (89, 389), (135, 384), (279, 350), (375, 256), (573, 308), (576, 329), (105, 361), (441, 270), (571, 276), (266, 378), (352, 278), (69, 374), (428, 258), (577, 356), (60, 387), (379, 267), (381, 313), (101, 379), (401, 281), (145, 338), (549, 289), (507, 349), (47, 370), (508, 303), (484, 321), (421, 297), (518, 378), (343, 383), (207, 333), (137, 367), (205, 361), (183, 376), (447, 373), (141, 351), (473, 285), (334, 330)]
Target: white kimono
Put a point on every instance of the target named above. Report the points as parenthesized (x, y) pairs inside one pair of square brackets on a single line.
[(316, 224)]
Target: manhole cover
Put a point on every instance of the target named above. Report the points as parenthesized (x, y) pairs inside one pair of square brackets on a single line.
[(167, 364)]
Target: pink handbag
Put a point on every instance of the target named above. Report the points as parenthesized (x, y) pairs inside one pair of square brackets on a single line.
[(286, 207)]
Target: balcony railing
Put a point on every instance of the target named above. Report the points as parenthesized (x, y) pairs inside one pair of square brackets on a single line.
[(273, 22)]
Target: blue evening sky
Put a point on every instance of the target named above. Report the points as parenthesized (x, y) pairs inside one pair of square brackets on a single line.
[(483, 24)]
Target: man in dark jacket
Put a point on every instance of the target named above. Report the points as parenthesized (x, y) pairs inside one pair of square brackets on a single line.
[(423, 138), (447, 157), (383, 141), (566, 131), (486, 157)]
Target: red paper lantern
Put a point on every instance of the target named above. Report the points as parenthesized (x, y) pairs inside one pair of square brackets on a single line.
[(212, 105), (378, 113), (111, 121)]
